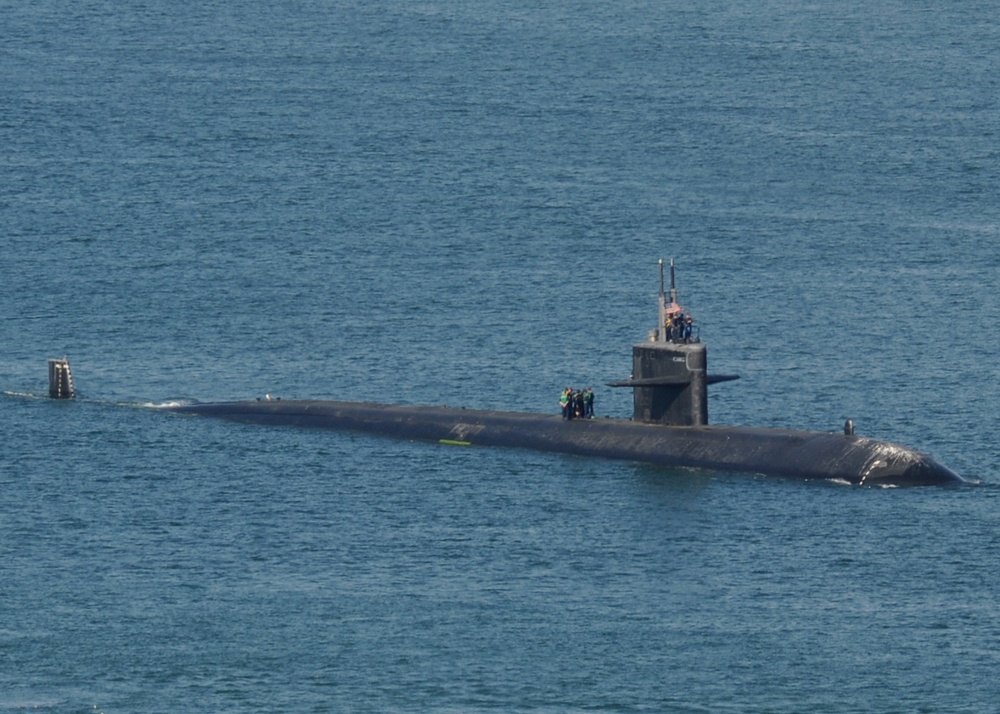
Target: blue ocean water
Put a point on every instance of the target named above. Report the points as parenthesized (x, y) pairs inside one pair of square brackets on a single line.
[(463, 203)]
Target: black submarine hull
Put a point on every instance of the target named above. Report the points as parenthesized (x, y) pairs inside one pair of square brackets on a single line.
[(807, 455)]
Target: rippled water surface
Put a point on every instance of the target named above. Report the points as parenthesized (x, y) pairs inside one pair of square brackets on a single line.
[(463, 203)]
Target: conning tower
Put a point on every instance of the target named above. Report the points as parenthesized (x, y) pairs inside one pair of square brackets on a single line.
[(670, 371)]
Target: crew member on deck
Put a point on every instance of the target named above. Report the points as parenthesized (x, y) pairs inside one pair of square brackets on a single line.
[(674, 329), (564, 403)]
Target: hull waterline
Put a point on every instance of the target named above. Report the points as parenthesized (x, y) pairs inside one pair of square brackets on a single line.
[(786, 453)]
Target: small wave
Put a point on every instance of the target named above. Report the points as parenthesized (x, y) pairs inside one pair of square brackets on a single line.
[(166, 404), (24, 395)]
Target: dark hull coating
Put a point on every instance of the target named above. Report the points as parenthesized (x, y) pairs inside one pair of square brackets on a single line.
[(776, 452)]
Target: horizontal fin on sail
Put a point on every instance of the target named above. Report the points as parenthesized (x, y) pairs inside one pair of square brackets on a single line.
[(668, 381)]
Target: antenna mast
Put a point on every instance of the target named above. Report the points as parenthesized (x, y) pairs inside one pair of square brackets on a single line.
[(661, 333), (673, 285)]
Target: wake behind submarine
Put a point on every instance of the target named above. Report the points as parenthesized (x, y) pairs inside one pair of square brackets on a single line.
[(669, 425)]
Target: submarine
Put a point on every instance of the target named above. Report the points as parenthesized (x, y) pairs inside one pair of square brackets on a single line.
[(669, 425)]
